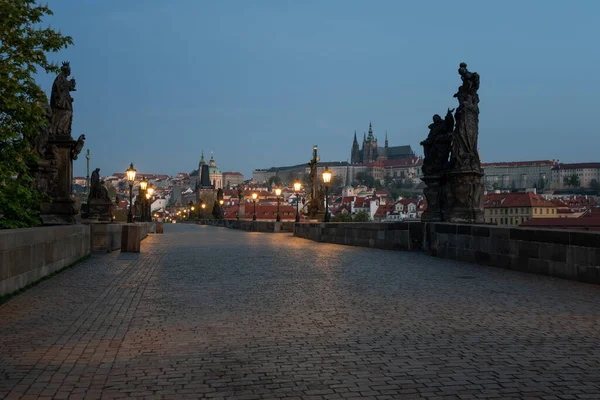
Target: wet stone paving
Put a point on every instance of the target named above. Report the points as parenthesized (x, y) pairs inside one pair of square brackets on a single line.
[(206, 312)]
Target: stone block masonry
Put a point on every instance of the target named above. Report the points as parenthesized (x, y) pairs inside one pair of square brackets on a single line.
[(27, 255), (565, 254)]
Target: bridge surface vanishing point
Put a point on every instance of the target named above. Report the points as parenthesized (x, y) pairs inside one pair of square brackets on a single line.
[(212, 312)]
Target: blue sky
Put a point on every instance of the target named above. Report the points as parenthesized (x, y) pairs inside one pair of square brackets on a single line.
[(260, 82)]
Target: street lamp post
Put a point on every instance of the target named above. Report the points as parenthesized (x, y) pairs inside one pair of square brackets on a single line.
[(131, 179), (148, 216), (254, 197), (203, 208), (326, 181), (143, 198), (149, 193), (297, 187), (278, 193)]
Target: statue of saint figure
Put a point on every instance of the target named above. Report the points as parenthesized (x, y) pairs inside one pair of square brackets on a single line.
[(94, 183), (464, 140), (436, 147), (97, 189), (61, 102)]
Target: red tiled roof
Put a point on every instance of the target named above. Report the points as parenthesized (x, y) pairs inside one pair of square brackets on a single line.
[(360, 202), (383, 210), (529, 199), (578, 165)]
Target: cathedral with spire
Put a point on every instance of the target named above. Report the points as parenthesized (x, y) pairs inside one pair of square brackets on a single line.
[(208, 175), (372, 152)]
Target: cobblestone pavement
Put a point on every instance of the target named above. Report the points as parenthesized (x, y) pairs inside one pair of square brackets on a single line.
[(223, 314)]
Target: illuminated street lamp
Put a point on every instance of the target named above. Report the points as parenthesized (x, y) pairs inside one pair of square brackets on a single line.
[(143, 184), (297, 187), (254, 197), (278, 193), (131, 179), (143, 199), (326, 181)]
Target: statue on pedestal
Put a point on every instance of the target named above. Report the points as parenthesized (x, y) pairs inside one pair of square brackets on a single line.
[(316, 209), (99, 203), (60, 152), (454, 189)]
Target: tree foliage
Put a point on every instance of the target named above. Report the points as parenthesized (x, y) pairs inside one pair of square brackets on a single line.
[(23, 48), (595, 186), (274, 181), (361, 216), (574, 180), (364, 178)]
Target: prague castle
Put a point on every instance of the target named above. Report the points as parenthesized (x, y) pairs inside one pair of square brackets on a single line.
[(371, 152)]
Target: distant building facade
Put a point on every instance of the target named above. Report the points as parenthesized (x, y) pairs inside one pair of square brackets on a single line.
[(232, 179), (586, 172), (518, 174), (514, 209)]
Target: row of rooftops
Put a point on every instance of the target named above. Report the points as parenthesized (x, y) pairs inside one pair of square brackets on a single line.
[(530, 199), (413, 161), (539, 163)]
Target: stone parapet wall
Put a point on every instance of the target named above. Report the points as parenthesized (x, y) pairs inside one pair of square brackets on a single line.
[(107, 237), (566, 254), (251, 226), (27, 255), (572, 255), (390, 236)]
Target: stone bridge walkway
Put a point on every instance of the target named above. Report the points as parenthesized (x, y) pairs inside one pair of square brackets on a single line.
[(223, 314)]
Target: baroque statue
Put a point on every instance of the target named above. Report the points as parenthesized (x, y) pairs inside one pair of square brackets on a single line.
[(465, 154), (62, 102), (436, 147), (99, 203), (56, 171), (454, 189)]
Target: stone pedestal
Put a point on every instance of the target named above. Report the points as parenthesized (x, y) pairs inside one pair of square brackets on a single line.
[(434, 196), (159, 227), (105, 237), (463, 197), (61, 210), (99, 210), (131, 238)]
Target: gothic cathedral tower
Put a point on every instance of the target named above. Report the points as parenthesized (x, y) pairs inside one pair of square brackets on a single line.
[(355, 155), (370, 149)]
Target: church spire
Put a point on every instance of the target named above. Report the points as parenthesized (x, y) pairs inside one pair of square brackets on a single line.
[(202, 158), (386, 140), (355, 141), (370, 137)]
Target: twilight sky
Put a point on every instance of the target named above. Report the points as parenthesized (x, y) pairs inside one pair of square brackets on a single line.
[(259, 82)]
